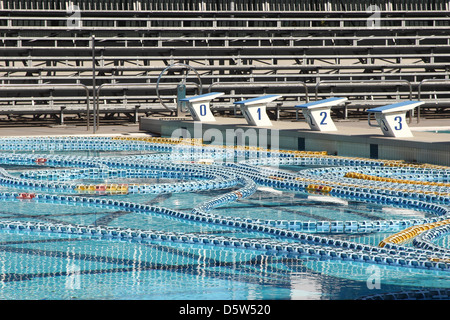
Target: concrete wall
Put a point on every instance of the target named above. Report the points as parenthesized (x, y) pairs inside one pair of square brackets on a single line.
[(427, 147)]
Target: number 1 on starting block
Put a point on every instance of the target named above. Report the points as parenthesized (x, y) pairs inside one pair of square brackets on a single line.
[(255, 110)]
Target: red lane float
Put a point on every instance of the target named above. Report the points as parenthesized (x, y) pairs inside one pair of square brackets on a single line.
[(239, 194), (26, 196), (100, 188), (41, 160)]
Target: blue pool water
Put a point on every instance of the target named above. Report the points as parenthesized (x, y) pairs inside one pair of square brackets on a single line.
[(441, 131), (62, 266)]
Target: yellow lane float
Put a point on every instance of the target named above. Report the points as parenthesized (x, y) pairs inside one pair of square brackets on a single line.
[(356, 175), (319, 188), (411, 232), (123, 188)]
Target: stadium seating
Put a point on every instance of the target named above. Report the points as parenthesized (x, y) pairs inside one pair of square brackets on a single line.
[(270, 47)]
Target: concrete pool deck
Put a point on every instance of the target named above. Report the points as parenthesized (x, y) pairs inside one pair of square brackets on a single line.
[(354, 138)]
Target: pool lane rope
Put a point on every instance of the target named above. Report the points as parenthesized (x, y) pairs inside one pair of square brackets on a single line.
[(244, 177), (283, 242)]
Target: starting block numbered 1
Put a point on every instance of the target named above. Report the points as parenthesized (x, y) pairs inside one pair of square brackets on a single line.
[(254, 110)]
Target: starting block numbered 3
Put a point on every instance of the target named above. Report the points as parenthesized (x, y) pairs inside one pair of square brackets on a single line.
[(392, 118)]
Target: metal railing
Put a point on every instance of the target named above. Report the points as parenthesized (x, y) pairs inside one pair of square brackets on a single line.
[(367, 83), (183, 81), (363, 82), (121, 86), (54, 87), (419, 90), (110, 85), (250, 85)]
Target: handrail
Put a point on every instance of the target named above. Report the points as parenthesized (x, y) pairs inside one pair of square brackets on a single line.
[(308, 18), (120, 86), (364, 82), (258, 84), (49, 86), (183, 81), (419, 91)]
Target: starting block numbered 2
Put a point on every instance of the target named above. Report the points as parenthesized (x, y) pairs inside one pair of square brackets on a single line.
[(318, 113)]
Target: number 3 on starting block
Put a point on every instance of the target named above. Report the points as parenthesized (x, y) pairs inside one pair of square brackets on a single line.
[(392, 118)]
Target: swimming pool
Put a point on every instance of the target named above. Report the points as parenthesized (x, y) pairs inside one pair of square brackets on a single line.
[(437, 131), (164, 219)]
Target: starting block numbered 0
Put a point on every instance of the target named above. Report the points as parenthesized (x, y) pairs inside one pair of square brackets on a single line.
[(199, 106), (318, 113), (392, 118), (254, 110)]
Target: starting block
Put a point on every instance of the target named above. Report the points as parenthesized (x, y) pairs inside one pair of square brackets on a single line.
[(199, 106), (254, 110), (392, 118), (318, 113)]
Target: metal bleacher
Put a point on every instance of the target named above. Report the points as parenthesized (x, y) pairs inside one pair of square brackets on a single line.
[(242, 48)]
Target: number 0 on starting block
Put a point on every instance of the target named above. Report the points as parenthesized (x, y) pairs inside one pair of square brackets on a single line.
[(199, 106)]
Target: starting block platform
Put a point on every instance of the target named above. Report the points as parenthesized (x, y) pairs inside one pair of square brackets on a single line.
[(254, 110), (392, 118), (200, 106), (318, 113)]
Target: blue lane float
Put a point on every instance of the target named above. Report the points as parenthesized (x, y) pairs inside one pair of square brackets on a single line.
[(185, 161)]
